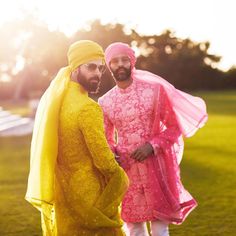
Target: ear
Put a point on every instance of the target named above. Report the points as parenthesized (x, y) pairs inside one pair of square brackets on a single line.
[(74, 74)]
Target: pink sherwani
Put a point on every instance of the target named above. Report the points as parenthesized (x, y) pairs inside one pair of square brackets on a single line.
[(155, 190)]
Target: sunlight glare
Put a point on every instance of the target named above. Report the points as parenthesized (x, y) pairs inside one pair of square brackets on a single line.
[(200, 21)]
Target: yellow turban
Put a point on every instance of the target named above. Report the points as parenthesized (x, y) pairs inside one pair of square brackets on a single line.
[(82, 52), (44, 145)]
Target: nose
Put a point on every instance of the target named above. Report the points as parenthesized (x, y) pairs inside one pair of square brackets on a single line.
[(120, 63), (98, 72)]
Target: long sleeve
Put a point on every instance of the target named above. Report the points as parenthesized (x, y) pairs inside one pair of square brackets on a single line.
[(169, 130), (91, 123)]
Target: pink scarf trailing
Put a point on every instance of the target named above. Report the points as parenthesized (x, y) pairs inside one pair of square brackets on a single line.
[(190, 112)]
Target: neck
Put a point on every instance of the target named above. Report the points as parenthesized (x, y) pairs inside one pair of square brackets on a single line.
[(124, 84)]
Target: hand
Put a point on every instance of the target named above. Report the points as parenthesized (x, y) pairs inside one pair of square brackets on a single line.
[(142, 152)]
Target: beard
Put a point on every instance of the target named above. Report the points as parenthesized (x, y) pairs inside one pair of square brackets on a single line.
[(91, 84), (122, 73)]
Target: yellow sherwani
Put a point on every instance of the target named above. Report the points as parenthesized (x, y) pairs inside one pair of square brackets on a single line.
[(89, 184)]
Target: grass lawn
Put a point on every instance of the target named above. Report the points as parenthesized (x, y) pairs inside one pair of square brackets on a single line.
[(17, 217), (208, 171)]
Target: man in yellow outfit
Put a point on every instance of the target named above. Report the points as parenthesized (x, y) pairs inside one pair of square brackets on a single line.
[(74, 179)]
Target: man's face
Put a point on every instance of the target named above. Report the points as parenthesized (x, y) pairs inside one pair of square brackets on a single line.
[(120, 67), (89, 75)]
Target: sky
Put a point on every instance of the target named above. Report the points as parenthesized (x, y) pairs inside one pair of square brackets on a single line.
[(199, 20)]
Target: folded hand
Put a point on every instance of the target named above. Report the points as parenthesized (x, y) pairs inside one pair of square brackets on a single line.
[(142, 152)]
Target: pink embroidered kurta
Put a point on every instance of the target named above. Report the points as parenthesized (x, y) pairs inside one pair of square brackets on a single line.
[(155, 190)]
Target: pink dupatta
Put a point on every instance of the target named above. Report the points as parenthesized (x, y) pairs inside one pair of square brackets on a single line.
[(174, 202)]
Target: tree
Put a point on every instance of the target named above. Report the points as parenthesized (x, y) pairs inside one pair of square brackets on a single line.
[(31, 55), (40, 51), (182, 62)]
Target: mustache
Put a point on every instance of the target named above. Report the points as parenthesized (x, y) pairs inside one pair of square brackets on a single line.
[(94, 78), (121, 68)]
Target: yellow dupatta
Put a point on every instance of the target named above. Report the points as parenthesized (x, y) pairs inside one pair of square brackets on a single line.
[(44, 145)]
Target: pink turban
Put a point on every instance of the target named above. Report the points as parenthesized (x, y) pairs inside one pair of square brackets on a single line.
[(119, 48)]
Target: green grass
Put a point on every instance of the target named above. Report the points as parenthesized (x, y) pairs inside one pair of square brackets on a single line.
[(208, 171), (17, 217)]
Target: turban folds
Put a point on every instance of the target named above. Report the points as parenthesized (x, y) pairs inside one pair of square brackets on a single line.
[(117, 48), (82, 52)]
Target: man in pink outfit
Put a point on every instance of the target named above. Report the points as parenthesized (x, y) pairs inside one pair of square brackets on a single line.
[(151, 117)]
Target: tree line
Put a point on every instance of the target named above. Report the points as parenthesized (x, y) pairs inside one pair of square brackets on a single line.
[(31, 54)]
